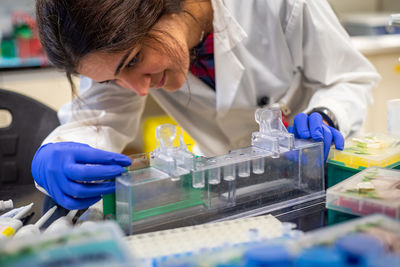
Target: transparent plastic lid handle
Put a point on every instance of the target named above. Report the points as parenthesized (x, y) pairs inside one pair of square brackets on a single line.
[(270, 121), (173, 160), (165, 135), (272, 133)]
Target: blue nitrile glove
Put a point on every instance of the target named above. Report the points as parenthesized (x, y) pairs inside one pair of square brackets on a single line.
[(72, 173), (312, 126)]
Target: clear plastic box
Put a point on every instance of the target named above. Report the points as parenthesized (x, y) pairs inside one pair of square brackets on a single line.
[(371, 149), (174, 188), (373, 190)]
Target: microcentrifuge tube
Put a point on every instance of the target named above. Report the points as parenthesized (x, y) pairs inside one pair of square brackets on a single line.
[(229, 172), (198, 179), (214, 175), (258, 166), (244, 169)]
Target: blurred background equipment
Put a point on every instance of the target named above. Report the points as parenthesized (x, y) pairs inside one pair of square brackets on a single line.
[(19, 42)]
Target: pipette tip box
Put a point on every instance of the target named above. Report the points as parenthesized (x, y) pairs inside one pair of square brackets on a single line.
[(373, 190), (361, 152)]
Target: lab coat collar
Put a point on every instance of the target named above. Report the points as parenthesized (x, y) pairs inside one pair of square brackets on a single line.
[(227, 31), (228, 68)]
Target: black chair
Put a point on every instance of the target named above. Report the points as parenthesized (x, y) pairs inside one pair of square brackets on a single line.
[(31, 122)]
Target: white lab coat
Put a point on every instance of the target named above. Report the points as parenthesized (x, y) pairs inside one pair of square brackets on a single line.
[(261, 48)]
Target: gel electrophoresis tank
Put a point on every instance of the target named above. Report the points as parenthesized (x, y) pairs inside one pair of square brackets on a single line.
[(171, 187)]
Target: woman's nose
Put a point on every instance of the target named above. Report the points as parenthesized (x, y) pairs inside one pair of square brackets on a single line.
[(139, 84)]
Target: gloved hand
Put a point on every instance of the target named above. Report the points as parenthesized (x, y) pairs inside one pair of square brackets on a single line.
[(312, 126), (72, 172)]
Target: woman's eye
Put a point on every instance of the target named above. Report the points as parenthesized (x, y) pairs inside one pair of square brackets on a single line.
[(105, 82), (133, 61)]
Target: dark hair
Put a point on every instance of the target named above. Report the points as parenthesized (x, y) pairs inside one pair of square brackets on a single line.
[(71, 29)]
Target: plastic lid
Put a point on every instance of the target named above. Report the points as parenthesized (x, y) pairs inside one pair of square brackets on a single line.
[(358, 247), (271, 255), (319, 256), (368, 150), (373, 190)]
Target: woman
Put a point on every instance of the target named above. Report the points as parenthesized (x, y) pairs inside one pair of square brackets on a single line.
[(290, 53)]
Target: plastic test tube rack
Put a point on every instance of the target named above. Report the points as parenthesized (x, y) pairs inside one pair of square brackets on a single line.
[(176, 188), (207, 237)]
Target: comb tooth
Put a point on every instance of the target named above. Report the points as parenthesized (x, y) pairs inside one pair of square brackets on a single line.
[(214, 175), (230, 172), (258, 166)]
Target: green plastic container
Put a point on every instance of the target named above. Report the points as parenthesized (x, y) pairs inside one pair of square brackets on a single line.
[(335, 217), (7, 48)]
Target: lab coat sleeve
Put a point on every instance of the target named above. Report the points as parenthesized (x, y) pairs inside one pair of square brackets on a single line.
[(104, 116), (341, 76)]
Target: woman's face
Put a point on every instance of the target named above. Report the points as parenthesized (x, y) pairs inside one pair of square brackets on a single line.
[(148, 65)]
